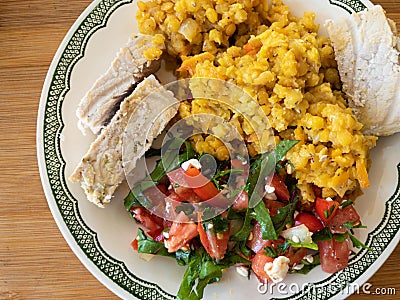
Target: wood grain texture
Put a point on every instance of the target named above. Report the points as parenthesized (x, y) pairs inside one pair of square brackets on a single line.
[(35, 261)]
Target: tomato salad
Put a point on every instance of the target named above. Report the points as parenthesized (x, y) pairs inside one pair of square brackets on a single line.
[(275, 237)]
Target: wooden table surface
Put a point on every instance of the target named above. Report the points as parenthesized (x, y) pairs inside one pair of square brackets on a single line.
[(35, 260)]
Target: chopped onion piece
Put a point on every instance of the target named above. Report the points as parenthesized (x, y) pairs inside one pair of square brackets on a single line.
[(298, 234)]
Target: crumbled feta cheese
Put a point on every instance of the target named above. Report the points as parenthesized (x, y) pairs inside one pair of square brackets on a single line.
[(165, 234), (289, 169), (329, 199), (194, 162), (277, 269), (269, 189), (220, 235), (210, 226), (298, 267), (242, 271), (309, 258), (295, 239), (168, 206)]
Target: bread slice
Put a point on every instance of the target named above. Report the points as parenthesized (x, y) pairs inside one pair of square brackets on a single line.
[(141, 118), (367, 53)]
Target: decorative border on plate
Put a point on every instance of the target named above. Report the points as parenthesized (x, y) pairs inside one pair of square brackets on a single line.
[(53, 124), (349, 5), (87, 239)]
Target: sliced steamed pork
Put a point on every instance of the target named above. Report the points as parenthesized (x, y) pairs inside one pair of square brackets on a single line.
[(367, 52), (150, 107), (138, 59)]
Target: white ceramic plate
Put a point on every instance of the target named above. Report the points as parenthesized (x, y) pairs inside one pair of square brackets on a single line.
[(101, 237)]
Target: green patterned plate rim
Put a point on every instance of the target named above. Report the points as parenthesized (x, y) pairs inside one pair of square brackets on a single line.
[(84, 241)]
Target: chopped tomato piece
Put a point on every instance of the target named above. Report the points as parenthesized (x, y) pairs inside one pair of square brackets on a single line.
[(238, 164), (162, 188), (187, 194), (215, 244), (273, 206), (241, 201), (204, 188), (334, 255), (149, 221), (343, 215), (312, 222), (295, 255), (326, 209), (180, 233), (182, 188), (134, 244), (281, 190), (256, 243), (257, 265), (156, 194)]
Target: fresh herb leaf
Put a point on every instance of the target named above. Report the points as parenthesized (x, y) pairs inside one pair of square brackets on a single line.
[(150, 246), (357, 243), (130, 201), (340, 237), (322, 235), (283, 247), (312, 245), (233, 214), (266, 224), (279, 250), (259, 170), (307, 265), (262, 165), (202, 270), (168, 162), (346, 203), (190, 278), (231, 259), (353, 224), (182, 257), (208, 213), (271, 252), (219, 224), (328, 212), (284, 216), (187, 209), (227, 172), (241, 247), (236, 192), (247, 227), (283, 147)]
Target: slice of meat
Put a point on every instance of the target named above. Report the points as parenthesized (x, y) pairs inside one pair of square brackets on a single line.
[(367, 53), (101, 170), (128, 68)]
